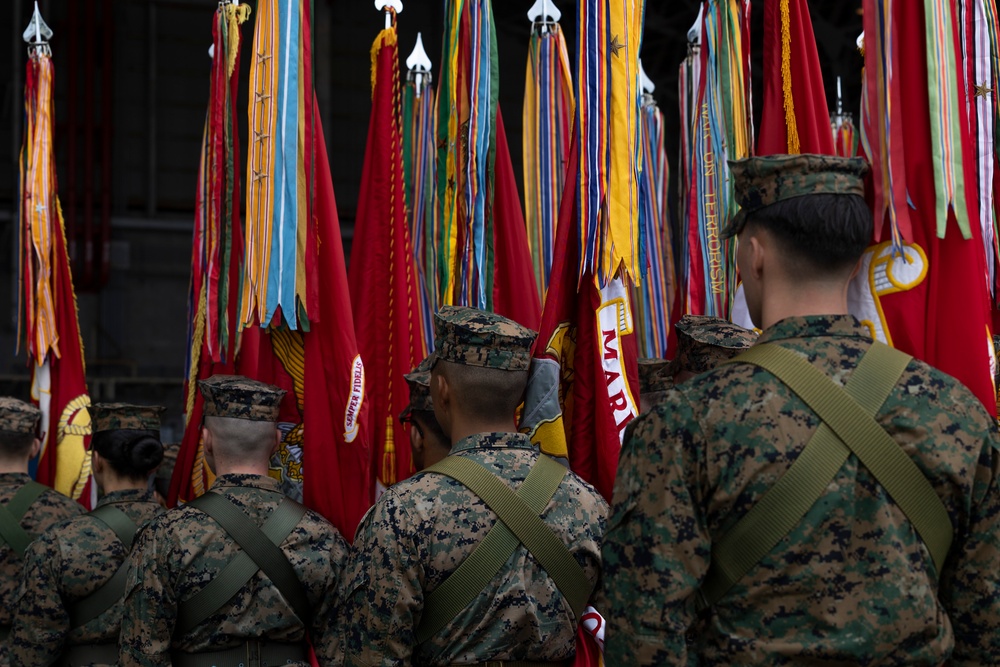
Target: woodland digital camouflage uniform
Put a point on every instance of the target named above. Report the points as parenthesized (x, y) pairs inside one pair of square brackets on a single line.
[(422, 528), (238, 397), (760, 182), (48, 510), (704, 342), (179, 552), (124, 416), (852, 583), (478, 338), (64, 566), (16, 416), (419, 382)]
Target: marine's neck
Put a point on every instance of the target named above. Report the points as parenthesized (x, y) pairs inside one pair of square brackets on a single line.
[(241, 468), (14, 466), (801, 299), (463, 427)]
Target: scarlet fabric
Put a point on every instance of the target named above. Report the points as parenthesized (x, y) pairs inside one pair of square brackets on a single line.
[(67, 379), (515, 294), (946, 319), (812, 115), (337, 456), (383, 278), (588, 394), (221, 190)]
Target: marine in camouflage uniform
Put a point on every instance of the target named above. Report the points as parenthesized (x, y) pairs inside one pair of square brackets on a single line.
[(19, 424), (422, 528), (180, 552), (428, 443), (72, 561), (852, 583), (703, 342)]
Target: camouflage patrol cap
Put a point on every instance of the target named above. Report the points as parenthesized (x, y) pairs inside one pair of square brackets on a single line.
[(762, 181), (16, 416), (419, 381), (655, 375), (476, 337), (239, 397), (704, 342), (119, 416)]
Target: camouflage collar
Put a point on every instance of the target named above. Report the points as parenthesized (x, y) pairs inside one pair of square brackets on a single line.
[(126, 496), (252, 481), (493, 441), (810, 326), (14, 478)]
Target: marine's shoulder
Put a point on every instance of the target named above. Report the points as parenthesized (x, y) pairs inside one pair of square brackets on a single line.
[(58, 503)]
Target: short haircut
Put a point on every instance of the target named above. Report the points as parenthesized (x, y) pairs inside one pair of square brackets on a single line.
[(430, 425), (132, 453), (822, 234), (487, 393), (241, 437), (14, 444)]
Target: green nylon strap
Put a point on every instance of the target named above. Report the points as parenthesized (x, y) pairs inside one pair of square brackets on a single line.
[(474, 573), (115, 519), (113, 590), (11, 514), (850, 429), (260, 553), (784, 505), (519, 517)]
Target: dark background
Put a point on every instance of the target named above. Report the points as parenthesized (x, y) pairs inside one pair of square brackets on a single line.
[(131, 91)]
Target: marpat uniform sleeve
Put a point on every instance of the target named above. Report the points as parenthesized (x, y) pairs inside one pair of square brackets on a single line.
[(150, 606), (656, 509), (41, 622)]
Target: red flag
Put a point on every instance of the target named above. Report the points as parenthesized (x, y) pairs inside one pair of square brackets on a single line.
[(586, 347), (515, 294), (59, 386), (338, 478), (382, 278), (795, 117), (48, 319), (216, 256), (931, 301)]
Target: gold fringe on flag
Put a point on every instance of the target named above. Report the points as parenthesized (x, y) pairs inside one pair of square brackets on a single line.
[(786, 80)]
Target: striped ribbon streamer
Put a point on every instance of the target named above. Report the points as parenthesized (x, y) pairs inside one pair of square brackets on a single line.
[(466, 132), (593, 113), (988, 11), (548, 114), (718, 130), (279, 175), (609, 35), (418, 170), (979, 91), (39, 211), (845, 140), (688, 84), (655, 293), (946, 136)]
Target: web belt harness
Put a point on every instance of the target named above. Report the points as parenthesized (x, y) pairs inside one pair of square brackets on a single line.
[(260, 553), (519, 523), (848, 427)]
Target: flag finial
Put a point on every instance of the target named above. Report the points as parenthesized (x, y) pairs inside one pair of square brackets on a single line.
[(38, 33), (544, 14), (419, 64), (647, 84), (386, 6)]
